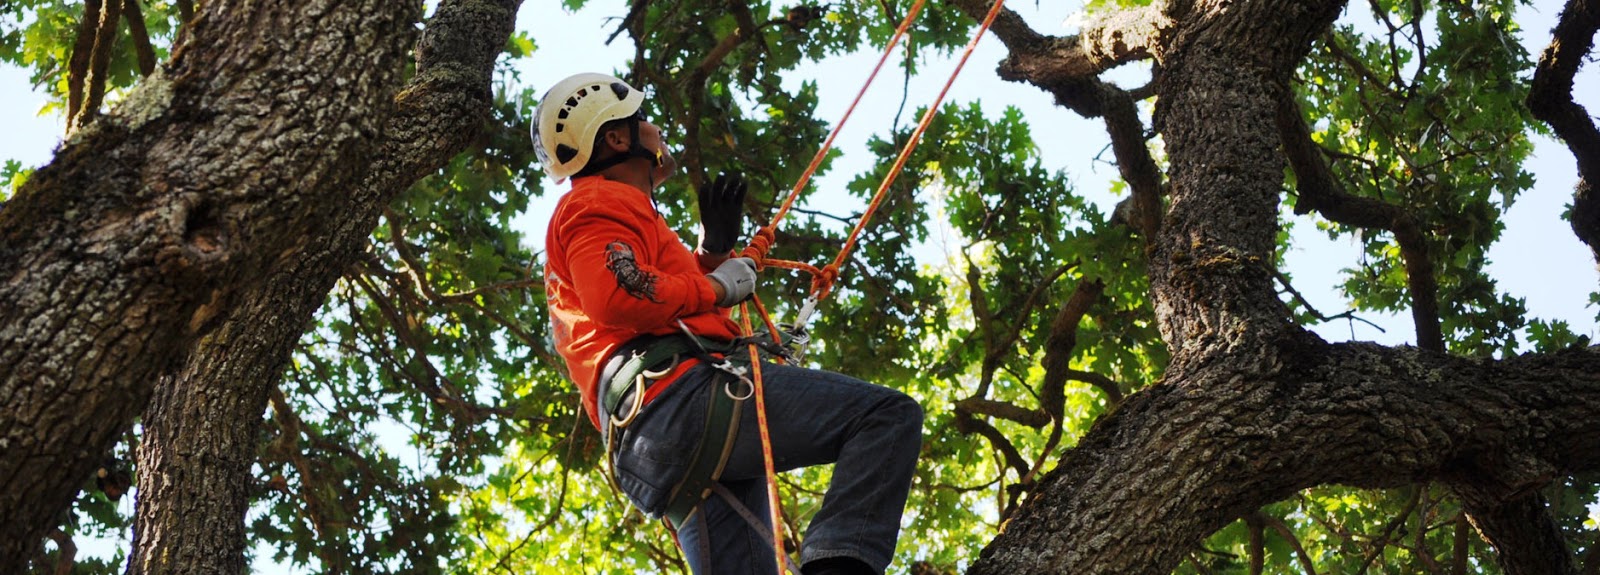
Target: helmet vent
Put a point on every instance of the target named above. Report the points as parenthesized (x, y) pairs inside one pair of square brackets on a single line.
[(572, 102), (561, 127), (565, 153), (562, 114), (620, 89)]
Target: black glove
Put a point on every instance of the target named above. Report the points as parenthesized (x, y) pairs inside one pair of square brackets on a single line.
[(721, 212)]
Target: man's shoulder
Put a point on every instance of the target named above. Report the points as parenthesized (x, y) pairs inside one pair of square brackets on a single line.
[(602, 196)]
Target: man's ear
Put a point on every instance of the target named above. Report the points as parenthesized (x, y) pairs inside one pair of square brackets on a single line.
[(617, 140)]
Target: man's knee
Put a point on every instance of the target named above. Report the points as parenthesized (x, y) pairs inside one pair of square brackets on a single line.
[(904, 410)]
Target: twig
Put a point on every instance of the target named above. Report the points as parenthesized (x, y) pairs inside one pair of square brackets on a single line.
[(1283, 531), (1288, 287), (1388, 531)]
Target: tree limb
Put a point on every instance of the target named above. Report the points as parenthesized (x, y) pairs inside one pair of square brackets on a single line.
[(693, 87), (1320, 191), (140, 37), (1520, 528), (1068, 67), (105, 37), (1352, 414), (1105, 42), (1061, 341), (438, 113), (1382, 541), (1034, 418), (965, 423), (1287, 534), (1550, 99), (78, 63), (66, 559), (150, 222), (1257, 544)]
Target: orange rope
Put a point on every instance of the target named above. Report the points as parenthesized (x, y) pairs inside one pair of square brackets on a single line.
[(823, 278), (831, 271), (774, 511), (816, 160)]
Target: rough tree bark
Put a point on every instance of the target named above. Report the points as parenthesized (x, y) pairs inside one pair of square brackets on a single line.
[(150, 222), (1252, 408), (201, 429)]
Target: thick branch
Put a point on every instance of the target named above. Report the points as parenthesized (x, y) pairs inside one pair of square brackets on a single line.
[(1180, 460), (67, 552), (1014, 459), (1287, 534), (1257, 546), (438, 114), (1116, 38), (1034, 418), (1550, 99), (1134, 161), (1521, 530)]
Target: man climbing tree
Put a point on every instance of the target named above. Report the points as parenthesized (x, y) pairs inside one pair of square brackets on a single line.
[(643, 325)]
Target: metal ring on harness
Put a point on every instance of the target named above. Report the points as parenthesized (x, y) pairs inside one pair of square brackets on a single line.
[(749, 388)]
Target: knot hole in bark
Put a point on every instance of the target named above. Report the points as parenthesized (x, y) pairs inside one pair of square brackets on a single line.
[(203, 230)]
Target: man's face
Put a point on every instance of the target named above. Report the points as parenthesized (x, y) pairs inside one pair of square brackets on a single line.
[(653, 138)]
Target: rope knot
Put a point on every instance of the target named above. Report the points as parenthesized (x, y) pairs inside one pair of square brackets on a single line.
[(759, 245), (822, 281)]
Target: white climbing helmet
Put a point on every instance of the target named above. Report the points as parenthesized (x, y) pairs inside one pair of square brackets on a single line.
[(569, 116)]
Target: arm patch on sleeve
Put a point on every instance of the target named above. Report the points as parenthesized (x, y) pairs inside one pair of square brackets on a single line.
[(638, 283)]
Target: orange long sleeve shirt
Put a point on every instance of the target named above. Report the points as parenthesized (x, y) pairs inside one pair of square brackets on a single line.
[(615, 271)]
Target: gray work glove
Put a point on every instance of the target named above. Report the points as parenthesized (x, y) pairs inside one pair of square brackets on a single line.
[(737, 276)]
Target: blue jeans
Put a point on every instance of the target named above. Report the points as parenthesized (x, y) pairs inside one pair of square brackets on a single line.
[(871, 433)]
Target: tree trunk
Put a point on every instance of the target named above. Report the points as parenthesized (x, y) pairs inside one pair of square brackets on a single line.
[(200, 436), (202, 426), (151, 221), (1252, 408)]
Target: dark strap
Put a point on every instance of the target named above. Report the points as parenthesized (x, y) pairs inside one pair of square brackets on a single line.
[(716, 443)]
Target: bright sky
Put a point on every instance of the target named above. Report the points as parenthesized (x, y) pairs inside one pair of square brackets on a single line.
[(1538, 258)]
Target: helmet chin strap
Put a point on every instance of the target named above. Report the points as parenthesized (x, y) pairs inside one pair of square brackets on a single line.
[(635, 150)]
